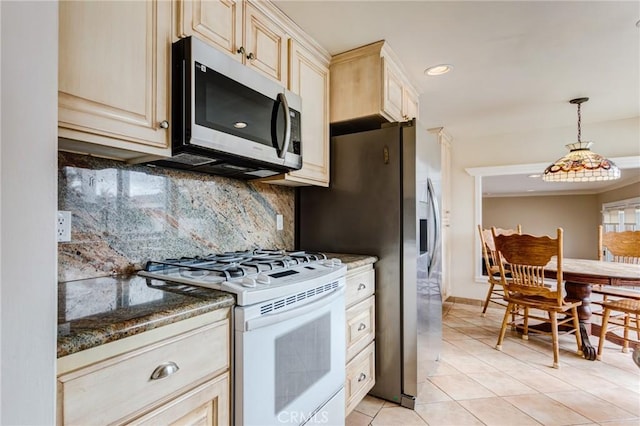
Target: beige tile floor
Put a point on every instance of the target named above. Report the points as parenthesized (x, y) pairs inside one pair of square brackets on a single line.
[(474, 384)]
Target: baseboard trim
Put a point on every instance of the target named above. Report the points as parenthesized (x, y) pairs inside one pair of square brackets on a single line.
[(464, 300)]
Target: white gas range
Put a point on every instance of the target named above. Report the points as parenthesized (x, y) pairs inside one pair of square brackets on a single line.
[(289, 330)]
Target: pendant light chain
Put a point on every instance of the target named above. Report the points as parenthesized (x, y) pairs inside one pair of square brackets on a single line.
[(579, 122)]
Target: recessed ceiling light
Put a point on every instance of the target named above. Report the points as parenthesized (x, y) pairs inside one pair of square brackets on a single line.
[(438, 69), (239, 124), (534, 176)]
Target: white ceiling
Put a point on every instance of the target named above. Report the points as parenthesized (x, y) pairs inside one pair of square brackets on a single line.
[(516, 63)]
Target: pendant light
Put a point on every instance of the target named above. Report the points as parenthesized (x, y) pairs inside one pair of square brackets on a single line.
[(581, 164)]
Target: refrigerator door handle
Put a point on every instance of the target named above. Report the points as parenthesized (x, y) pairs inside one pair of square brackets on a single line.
[(433, 202)]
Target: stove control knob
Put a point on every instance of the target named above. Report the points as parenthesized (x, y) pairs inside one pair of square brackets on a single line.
[(248, 282), (332, 263), (264, 279)]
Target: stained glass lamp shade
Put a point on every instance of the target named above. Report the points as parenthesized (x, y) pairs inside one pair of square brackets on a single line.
[(581, 164)]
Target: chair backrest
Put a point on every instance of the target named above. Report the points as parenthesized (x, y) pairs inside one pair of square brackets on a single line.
[(489, 248), (526, 256), (624, 246)]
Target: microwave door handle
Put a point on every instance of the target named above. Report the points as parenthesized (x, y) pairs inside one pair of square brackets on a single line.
[(287, 125)]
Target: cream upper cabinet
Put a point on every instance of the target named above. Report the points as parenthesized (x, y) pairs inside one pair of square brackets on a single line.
[(409, 103), (242, 29), (309, 78), (259, 35), (113, 78), (369, 82)]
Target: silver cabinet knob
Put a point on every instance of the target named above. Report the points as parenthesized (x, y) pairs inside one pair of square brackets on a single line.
[(361, 377), (240, 50), (361, 327), (361, 286), (164, 370), (251, 56), (164, 124)]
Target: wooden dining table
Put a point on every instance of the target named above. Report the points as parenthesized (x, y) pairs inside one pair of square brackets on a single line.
[(579, 276)]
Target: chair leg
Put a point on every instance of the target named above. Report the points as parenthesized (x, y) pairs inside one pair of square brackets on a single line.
[(525, 325), (503, 328), (514, 313), (627, 324), (603, 331), (554, 337), (576, 326), (487, 299)]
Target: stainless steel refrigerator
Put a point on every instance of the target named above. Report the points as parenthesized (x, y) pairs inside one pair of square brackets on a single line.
[(384, 200)]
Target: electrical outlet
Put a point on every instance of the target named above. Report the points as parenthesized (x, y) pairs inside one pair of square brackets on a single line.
[(279, 222), (64, 226)]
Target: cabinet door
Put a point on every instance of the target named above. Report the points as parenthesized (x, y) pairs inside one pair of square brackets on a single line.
[(409, 104), (114, 73), (310, 80), (265, 44), (219, 22), (392, 91), (205, 405)]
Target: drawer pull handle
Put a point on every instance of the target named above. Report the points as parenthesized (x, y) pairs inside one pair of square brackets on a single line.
[(164, 370), (361, 287), (361, 377), (361, 327)]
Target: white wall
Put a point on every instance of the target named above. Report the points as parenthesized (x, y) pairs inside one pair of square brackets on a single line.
[(28, 194), (612, 139)]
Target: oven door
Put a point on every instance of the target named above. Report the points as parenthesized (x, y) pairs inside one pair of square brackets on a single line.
[(290, 365)]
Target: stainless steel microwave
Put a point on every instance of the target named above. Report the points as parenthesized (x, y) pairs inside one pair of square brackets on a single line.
[(227, 119)]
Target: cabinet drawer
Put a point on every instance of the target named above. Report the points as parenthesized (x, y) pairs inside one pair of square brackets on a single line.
[(121, 387), (207, 404), (359, 286), (360, 326), (360, 377)]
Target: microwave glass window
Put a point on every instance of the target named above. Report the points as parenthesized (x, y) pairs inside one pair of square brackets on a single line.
[(228, 106)]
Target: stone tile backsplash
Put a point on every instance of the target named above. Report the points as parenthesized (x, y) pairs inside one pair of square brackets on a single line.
[(124, 215)]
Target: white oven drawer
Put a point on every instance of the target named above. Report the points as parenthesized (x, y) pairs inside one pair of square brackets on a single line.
[(360, 326), (122, 386), (360, 376), (360, 285)]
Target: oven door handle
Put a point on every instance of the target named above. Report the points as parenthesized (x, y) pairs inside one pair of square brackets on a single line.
[(274, 318)]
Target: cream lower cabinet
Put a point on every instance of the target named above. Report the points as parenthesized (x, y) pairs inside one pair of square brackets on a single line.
[(113, 78), (360, 334), (177, 374), (369, 83)]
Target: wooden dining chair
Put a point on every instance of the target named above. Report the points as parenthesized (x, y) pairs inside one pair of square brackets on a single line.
[(495, 294), (524, 284), (620, 305)]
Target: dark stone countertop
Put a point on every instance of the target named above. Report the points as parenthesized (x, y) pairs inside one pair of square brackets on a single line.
[(96, 311)]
